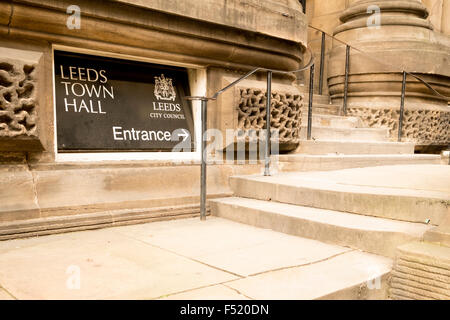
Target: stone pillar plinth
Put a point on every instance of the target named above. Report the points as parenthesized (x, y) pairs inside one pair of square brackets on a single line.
[(392, 36)]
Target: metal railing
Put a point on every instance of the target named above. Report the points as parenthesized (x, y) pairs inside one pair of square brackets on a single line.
[(204, 105), (348, 49), (311, 66)]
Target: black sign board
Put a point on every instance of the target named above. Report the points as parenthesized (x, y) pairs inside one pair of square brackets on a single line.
[(109, 104)]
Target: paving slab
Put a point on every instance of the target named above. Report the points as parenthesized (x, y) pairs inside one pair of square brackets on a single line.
[(336, 277), (232, 246), (177, 258), (108, 264), (217, 292), (5, 295)]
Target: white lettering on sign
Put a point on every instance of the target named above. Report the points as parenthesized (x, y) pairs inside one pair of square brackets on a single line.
[(166, 106), (79, 106), (83, 74), (80, 87), (138, 135)]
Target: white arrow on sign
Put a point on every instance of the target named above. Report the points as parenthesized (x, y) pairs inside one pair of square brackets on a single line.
[(185, 134)]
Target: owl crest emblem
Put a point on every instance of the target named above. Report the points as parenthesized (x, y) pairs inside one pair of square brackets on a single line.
[(164, 89)]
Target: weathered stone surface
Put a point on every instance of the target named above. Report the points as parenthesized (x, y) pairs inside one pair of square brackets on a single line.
[(89, 221), (217, 292), (404, 40), (415, 193), (317, 147), (285, 114), (421, 271), (304, 162), (17, 193), (182, 259), (52, 198), (243, 108), (159, 34), (370, 234), (347, 276), (421, 126), (283, 18), (441, 234), (18, 100), (4, 295)]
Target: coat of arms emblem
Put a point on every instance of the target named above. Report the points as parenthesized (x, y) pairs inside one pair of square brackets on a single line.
[(164, 89)]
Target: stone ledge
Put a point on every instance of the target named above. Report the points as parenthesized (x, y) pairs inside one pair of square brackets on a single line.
[(440, 235), (421, 271), (50, 190), (53, 225), (156, 34)]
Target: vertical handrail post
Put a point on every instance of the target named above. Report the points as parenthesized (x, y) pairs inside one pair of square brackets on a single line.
[(402, 108), (203, 164), (347, 68), (449, 154), (310, 103), (268, 103), (322, 61)]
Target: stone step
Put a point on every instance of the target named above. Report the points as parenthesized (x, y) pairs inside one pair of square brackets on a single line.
[(345, 134), (354, 147), (421, 272), (323, 99), (328, 120), (306, 162), (352, 275), (95, 220), (322, 108), (370, 234), (414, 193)]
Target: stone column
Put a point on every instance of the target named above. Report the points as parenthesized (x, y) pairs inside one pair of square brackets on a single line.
[(403, 40), (434, 8), (445, 24)]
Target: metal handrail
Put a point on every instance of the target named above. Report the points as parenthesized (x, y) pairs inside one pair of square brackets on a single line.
[(310, 65), (367, 54), (204, 103), (382, 62)]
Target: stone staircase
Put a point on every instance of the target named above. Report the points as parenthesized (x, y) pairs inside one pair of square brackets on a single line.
[(371, 210), (339, 142), (333, 133)]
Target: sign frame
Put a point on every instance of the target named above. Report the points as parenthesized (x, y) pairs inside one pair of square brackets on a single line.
[(197, 82)]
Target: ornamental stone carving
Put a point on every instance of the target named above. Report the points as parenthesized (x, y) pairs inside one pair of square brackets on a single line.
[(19, 100), (421, 126), (285, 114)]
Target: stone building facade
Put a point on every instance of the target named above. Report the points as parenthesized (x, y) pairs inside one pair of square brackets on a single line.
[(47, 189), (411, 35)]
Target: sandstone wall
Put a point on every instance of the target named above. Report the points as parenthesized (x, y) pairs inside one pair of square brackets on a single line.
[(214, 39)]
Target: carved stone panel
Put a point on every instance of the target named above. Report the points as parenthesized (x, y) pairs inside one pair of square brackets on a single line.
[(18, 103), (421, 126), (285, 114)]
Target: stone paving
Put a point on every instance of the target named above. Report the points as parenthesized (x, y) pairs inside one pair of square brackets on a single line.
[(180, 259)]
